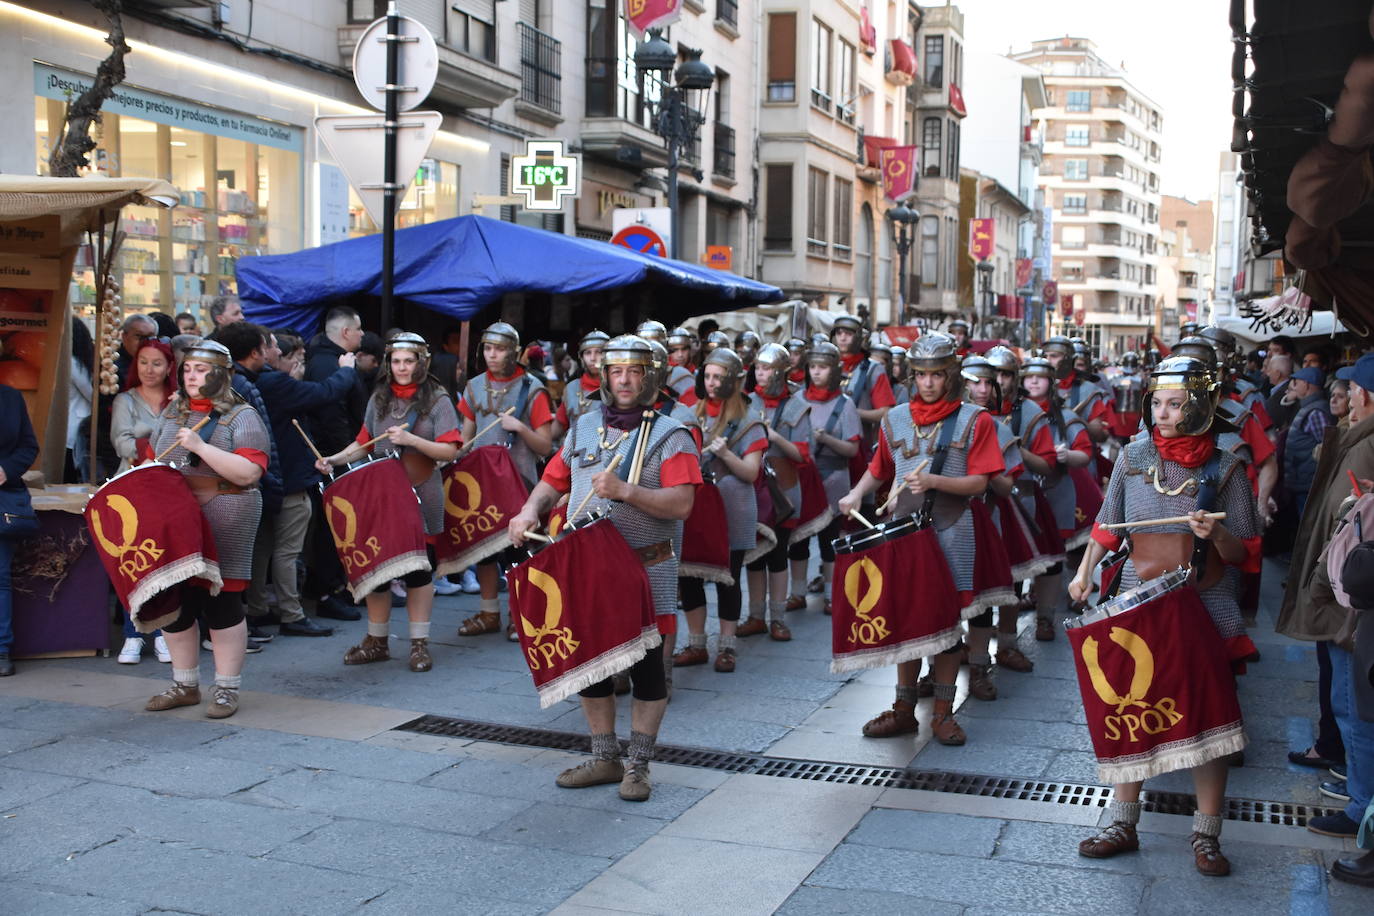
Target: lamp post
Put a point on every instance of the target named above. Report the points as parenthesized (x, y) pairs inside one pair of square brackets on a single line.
[(681, 108), (985, 270), (900, 218)]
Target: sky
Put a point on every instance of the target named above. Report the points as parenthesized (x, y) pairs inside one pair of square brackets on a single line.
[(1177, 52)]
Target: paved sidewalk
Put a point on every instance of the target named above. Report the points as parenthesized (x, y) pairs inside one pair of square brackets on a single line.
[(308, 801)]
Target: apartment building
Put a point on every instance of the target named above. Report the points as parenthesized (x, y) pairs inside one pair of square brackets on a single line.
[(1231, 233), (1101, 179), (1189, 260)]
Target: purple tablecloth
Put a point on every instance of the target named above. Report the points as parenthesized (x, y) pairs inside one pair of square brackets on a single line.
[(61, 593)]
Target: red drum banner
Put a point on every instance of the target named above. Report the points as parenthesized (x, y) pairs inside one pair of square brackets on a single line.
[(585, 611), (706, 539), (152, 537), (1087, 503), (481, 493), (815, 512), (375, 519), (891, 603), (1157, 688)]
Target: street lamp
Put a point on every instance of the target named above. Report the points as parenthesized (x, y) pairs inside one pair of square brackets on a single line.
[(681, 108), (985, 270), (900, 218)]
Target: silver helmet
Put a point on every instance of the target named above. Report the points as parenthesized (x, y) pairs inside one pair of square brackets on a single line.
[(826, 353), (936, 351), (1038, 367), (1199, 348), (1198, 382), (414, 343), (680, 337), (652, 330), (747, 344), (974, 368), (629, 350), (775, 357), (729, 361), (713, 340), (219, 380), (502, 334), (591, 340), (1063, 346), (1003, 360), (658, 374)]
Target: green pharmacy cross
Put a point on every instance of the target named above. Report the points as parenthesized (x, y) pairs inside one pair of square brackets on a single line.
[(545, 176)]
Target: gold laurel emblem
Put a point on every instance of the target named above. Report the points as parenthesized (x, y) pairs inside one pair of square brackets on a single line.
[(472, 492), (144, 555), (341, 508), (553, 606), (866, 600), (895, 167), (635, 7), (1140, 681)]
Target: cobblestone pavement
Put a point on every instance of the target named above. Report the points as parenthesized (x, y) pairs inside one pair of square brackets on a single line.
[(310, 801)]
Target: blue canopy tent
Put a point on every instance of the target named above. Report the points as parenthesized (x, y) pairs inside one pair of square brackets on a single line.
[(460, 267)]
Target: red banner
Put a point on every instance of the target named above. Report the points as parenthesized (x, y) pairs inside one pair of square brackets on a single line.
[(868, 33), (1157, 688), (982, 234), (1050, 294), (643, 15), (956, 100), (816, 512), (585, 611), (892, 603), (1024, 271), (899, 171), (481, 493), (152, 537), (1087, 503), (706, 539), (374, 516)]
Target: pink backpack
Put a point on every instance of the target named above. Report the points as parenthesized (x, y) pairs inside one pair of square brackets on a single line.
[(1354, 529)]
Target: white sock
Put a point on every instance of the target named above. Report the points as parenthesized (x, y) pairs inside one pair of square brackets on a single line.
[(186, 677), (232, 681), (378, 630), (419, 629)]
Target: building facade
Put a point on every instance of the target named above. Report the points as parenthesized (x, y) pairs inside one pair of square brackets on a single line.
[(1101, 179)]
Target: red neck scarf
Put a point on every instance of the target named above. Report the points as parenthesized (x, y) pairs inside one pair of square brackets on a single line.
[(516, 373), (849, 360), (1044, 403), (713, 407), (1005, 410), (925, 414), (404, 392), (821, 394), (797, 375), (201, 405), (771, 402), (1067, 381), (589, 382), (1189, 451)]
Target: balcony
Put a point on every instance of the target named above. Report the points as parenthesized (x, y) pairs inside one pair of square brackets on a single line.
[(723, 156), (541, 75), (901, 63), (468, 77), (617, 121)]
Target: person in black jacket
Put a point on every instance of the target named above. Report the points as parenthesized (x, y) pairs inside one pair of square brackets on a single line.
[(18, 450)]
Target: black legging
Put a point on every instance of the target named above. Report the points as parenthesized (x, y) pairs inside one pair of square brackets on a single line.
[(774, 560), (802, 550), (417, 579), (220, 611), (727, 596), (648, 680)]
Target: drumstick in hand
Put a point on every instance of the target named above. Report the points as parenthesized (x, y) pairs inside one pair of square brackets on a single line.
[(485, 429), (373, 441), (615, 463), (897, 489), (858, 517), (195, 429), (297, 423), (1176, 520)]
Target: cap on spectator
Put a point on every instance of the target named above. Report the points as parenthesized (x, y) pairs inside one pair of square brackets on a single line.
[(1362, 373), (535, 355), (1311, 375)]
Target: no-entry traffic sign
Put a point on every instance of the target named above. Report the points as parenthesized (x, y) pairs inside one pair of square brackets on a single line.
[(642, 239)]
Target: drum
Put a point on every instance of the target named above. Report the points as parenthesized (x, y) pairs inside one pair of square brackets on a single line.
[(374, 516), (362, 463), (583, 608), (1133, 598), (482, 491), (816, 510), (706, 539), (893, 598)]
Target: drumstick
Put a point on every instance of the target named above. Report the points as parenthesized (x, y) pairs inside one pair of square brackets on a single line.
[(615, 463), (536, 536), (1176, 520), (297, 423), (897, 488), (487, 428), (195, 429), (637, 465), (858, 517), (373, 441)]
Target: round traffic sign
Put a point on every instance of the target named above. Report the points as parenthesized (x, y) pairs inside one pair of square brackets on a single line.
[(642, 239), (419, 64)]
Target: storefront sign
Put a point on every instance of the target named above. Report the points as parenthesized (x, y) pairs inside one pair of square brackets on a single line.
[(55, 83), (36, 236), (545, 175), (598, 201), (25, 272), (333, 196), (719, 257)]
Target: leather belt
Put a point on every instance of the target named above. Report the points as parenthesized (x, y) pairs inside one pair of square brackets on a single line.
[(214, 486), (654, 554)]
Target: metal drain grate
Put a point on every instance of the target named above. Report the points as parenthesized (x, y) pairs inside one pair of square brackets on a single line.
[(1285, 814)]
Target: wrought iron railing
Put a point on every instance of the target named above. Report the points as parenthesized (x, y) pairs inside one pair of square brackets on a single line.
[(541, 68)]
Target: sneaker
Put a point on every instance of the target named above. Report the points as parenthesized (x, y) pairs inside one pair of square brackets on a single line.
[(304, 627), (335, 609), (132, 651), (442, 586), (1335, 789), (259, 634), (1337, 825), (160, 649), (635, 786), (598, 771), (1337, 770), (470, 585)]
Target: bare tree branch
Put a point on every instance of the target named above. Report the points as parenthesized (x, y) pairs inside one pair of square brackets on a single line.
[(73, 139)]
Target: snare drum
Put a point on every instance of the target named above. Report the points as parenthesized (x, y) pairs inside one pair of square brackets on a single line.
[(361, 464), (1133, 598), (879, 534)]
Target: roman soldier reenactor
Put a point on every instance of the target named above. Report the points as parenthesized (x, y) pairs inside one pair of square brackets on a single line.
[(581, 397)]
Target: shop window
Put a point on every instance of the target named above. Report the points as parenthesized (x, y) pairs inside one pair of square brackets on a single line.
[(433, 196)]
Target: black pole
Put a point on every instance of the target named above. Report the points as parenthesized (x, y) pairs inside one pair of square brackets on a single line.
[(393, 67), (674, 134)]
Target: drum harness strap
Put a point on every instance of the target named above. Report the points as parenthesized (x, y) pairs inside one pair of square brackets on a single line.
[(205, 432), (520, 403), (834, 419), (858, 382), (646, 428), (937, 465)]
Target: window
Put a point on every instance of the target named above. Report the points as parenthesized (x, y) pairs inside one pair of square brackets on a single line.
[(1071, 270), (930, 252), (1075, 203), (844, 217), (816, 219), (884, 264), (863, 255), (727, 11), (847, 74), (362, 12), (1076, 169), (935, 61), (822, 85), (1079, 100), (951, 265), (473, 28), (724, 145), (930, 148), (1076, 136), (615, 87), (777, 208), (782, 59), (952, 150), (1072, 237)]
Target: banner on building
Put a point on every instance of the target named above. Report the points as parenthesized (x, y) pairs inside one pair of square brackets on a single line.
[(643, 15), (899, 171), (1024, 271), (982, 238)]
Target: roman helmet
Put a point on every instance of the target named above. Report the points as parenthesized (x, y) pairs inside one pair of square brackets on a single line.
[(405, 340), (882, 350), (592, 340), (797, 345), (747, 344), (1130, 361), (776, 357), (713, 340), (629, 350), (1193, 377), (657, 376), (826, 353), (936, 351), (959, 324), (1038, 366), (652, 330), (1225, 344), (728, 360), (849, 323), (1063, 346), (1188, 329), (1198, 348), (503, 335), (980, 367), (680, 337), (898, 362), (218, 381), (1003, 359)]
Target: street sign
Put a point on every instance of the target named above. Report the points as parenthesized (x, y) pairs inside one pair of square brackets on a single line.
[(719, 257), (658, 220), (419, 64), (642, 239), (545, 175), (356, 140)]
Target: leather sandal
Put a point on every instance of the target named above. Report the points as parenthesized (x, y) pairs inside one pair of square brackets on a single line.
[(899, 720), (224, 702), (754, 626), (947, 731), (796, 603), (689, 656), (1044, 629), (980, 682), (481, 623), (371, 649), (512, 634), (1207, 855), (1014, 660), (1113, 839), (725, 661), (778, 631), (419, 655), (816, 585), (173, 697)]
